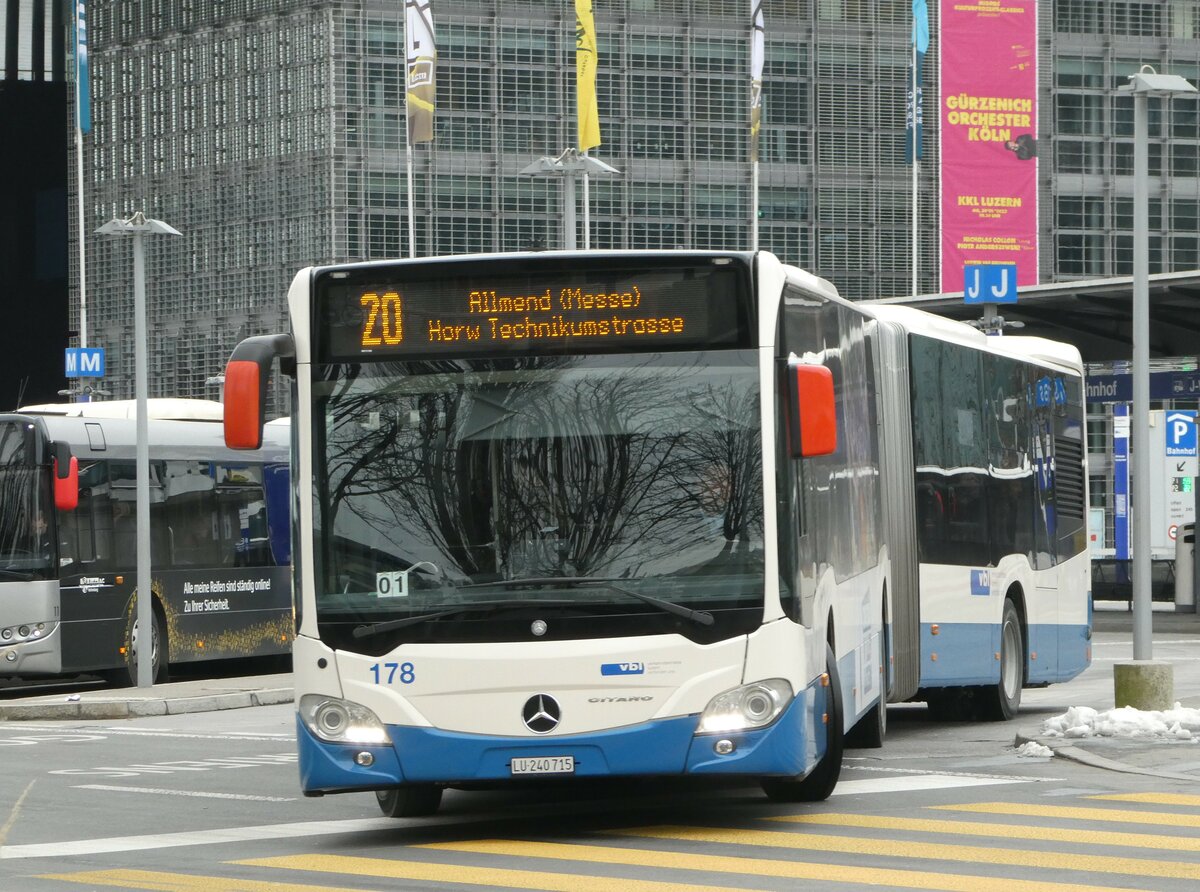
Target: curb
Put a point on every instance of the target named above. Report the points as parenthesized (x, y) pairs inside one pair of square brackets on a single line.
[(143, 706), (1083, 757)]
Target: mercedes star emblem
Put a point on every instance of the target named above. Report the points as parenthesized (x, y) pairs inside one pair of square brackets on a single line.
[(541, 713)]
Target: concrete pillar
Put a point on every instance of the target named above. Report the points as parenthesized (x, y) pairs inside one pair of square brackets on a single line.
[(1147, 685)]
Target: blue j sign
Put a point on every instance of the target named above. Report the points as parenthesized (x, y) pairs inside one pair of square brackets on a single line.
[(985, 283), (85, 362)]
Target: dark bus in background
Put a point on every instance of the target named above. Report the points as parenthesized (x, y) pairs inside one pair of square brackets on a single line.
[(220, 547)]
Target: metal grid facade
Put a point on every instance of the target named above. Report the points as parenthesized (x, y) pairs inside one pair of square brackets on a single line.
[(1096, 47), (271, 133)]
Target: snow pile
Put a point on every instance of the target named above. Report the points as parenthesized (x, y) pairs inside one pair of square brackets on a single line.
[(1033, 748), (1179, 723)]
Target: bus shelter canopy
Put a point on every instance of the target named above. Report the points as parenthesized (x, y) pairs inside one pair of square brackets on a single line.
[(1095, 315)]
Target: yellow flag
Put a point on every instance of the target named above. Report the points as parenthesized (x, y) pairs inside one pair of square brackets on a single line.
[(757, 40), (585, 76)]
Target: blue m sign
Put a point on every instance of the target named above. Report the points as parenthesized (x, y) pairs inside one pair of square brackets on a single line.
[(85, 362)]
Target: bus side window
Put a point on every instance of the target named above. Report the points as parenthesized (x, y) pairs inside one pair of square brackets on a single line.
[(124, 525), (85, 534), (244, 536), (191, 539)]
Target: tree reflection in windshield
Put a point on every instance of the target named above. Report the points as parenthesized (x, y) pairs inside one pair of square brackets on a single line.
[(552, 466)]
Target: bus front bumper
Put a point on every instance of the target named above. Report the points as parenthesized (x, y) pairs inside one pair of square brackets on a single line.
[(789, 747), (32, 657)]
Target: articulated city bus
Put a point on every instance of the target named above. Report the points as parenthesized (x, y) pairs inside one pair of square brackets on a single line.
[(563, 515), (220, 546)]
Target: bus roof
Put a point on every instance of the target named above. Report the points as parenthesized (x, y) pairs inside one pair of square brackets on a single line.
[(918, 321), (199, 440), (161, 408), (534, 255)]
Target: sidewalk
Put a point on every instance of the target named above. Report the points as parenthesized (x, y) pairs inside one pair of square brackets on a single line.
[(204, 695), (1134, 750)]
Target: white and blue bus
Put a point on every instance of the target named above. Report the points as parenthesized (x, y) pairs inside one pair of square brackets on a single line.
[(599, 514), (220, 546), (985, 457)]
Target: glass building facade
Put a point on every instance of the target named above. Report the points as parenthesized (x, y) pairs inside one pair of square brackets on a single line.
[(271, 133)]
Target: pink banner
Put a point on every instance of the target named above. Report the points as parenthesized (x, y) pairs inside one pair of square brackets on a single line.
[(988, 52)]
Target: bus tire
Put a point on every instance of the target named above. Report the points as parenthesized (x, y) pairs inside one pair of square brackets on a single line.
[(819, 783), (1001, 702), (126, 676), (409, 801)]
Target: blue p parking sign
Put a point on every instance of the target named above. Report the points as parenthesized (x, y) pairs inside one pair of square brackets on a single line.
[(1181, 435)]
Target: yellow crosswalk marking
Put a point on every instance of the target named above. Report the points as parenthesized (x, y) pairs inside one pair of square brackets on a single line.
[(180, 882), (1118, 816), (1152, 798), (1058, 861), (999, 831), (747, 866), (496, 877), (758, 867)]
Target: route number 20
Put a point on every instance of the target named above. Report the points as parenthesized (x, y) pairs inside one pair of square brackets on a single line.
[(387, 673), (383, 324)]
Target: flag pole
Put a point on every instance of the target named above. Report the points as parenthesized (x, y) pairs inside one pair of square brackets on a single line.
[(757, 52), (82, 229), (412, 212), (916, 167), (82, 106), (408, 149), (587, 207), (754, 205)]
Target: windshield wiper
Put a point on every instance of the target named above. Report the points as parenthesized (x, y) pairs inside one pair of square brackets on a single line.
[(703, 617), (368, 629)]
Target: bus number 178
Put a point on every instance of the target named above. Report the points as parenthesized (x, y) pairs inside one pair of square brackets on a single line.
[(386, 673)]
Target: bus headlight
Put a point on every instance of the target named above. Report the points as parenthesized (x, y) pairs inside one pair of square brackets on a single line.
[(28, 632), (746, 708), (341, 721)]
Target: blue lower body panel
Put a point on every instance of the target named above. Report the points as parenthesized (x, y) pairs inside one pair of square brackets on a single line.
[(789, 747), (966, 654)]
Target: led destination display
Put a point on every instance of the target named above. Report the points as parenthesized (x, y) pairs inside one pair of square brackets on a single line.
[(558, 311)]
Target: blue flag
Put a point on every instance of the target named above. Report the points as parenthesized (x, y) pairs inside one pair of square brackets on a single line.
[(83, 90), (920, 28), (913, 116)]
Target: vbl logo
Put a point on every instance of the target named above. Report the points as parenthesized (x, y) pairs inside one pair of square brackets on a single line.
[(622, 668)]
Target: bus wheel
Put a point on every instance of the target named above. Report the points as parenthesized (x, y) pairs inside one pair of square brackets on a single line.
[(821, 780), (410, 801), (127, 675), (871, 729), (1000, 703)]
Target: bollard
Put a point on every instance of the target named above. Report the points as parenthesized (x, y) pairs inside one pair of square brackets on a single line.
[(1146, 685)]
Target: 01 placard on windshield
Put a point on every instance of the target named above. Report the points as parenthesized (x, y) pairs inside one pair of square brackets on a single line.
[(565, 311)]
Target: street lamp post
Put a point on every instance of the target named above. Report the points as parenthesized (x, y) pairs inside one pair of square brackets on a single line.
[(139, 226), (1142, 85), (568, 165)]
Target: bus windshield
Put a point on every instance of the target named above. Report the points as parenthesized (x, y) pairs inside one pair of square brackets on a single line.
[(26, 545), (441, 486)]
